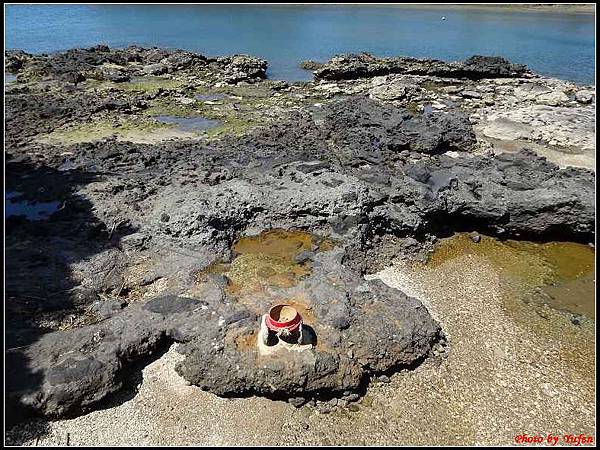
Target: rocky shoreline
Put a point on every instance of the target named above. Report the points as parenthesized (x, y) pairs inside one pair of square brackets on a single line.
[(380, 156)]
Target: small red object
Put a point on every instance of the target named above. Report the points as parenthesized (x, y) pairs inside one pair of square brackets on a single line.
[(283, 317)]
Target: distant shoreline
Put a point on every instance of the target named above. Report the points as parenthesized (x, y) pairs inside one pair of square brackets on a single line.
[(563, 8), (568, 8)]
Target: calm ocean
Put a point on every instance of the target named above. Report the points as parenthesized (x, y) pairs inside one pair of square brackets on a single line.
[(560, 45)]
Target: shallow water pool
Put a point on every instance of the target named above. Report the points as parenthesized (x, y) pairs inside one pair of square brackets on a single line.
[(15, 205), (559, 274)]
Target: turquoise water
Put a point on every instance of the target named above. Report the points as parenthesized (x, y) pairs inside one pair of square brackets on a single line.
[(560, 45)]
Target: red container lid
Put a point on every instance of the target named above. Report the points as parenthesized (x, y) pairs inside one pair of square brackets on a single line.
[(283, 317)]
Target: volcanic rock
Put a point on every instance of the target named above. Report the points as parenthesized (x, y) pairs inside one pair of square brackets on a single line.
[(142, 251), (352, 66)]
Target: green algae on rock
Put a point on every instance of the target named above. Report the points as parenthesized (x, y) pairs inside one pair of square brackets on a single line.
[(146, 84), (272, 258), (141, 130)]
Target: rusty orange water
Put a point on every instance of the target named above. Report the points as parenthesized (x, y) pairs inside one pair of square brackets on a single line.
[(559, 273)]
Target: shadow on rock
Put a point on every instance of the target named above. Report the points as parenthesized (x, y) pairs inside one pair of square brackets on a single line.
[(49, 262)]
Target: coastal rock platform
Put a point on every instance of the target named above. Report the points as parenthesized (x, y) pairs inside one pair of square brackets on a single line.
[(296, 193)]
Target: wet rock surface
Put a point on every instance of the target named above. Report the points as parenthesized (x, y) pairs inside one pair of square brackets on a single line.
[(381, 167)]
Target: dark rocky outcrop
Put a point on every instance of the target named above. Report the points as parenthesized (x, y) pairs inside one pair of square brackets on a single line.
[(379, 327), (364, 65), (310, 65), (377, 131), (120, 65), (238, 68), (511, 194), (29, 113)]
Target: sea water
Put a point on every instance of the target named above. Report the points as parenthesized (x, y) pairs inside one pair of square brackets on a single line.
[(554, 44)]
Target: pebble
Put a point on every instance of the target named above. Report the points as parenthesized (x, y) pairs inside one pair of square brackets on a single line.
[(304, 256), (549, 390), (352, 407), (351, 397), (471, 94), (584, 97), (297, 401), (475, 237), (324, 408)]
